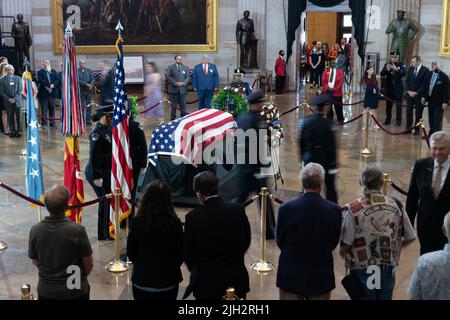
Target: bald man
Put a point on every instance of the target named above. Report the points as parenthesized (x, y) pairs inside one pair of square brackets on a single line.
[(60, 249)]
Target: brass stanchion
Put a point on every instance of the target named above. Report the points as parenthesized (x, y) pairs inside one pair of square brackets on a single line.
[(25, 292), (39, 214), (421, 127), (116, 265), (366, 150), (262, 266), (230, 295), (3, 246), (386, 181)]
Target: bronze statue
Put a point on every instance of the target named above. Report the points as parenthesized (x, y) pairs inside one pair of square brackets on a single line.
[(400, 28), (245, 34), (22, 39)]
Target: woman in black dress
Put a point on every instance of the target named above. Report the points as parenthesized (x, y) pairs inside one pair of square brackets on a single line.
[(372, 83)]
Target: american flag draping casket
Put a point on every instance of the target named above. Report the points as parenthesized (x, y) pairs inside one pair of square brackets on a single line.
[(188, 136)]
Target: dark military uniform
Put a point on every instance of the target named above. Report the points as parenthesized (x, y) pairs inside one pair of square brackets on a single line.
[(394, 90), (99, 167), (318, 145), (243, 87)]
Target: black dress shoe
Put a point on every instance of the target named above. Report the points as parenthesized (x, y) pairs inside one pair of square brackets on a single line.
[(18, 135), (416, 132), (12, 135)]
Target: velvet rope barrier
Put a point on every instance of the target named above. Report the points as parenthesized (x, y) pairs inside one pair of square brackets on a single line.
[(289, 111), (254, 84), (251, 200), (92, 202), (390, 132), (352, 120), (272, 197), (383, 95), (425, 136), (151, 108), (187, 102), (400, 190)]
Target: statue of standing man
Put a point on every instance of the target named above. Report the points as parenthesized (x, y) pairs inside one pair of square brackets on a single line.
[(245, 34), (22, 39), (400, 28)]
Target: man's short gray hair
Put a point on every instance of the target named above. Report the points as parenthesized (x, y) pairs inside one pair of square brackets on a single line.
[(435, 63), (9, 66), (371, 179), (205, 56), (440, 135), (312, 176), (447, 224)]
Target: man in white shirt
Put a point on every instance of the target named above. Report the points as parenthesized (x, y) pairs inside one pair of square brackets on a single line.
[(428, 195), (431, 278)]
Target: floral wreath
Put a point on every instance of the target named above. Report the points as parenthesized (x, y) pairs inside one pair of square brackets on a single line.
[(271, 115), (230, 100)]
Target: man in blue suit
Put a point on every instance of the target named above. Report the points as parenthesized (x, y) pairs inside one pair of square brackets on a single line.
[(308, 230), (46, 81), (204, 81)]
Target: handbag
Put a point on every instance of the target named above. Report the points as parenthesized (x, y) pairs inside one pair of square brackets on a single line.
[(353, 286)]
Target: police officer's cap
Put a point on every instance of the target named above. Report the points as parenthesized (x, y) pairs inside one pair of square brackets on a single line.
[(100, 112), (239, 72), (256, 97), (395, 53), (320, 100)]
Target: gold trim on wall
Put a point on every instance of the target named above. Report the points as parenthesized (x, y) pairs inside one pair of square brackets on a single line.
[(211, 37), (445, 35)]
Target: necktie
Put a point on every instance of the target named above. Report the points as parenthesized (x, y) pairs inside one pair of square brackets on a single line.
[(205, 70), (432, 83), (331, 76), (437, 183), (415, 72)]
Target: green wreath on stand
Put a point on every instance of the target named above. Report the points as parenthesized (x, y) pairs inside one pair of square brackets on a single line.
[(231, 101), (132, 101)]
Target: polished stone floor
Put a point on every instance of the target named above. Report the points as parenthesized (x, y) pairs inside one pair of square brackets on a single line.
[(395, 154)]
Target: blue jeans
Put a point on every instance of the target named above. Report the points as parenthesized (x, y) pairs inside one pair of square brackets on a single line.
[(387, 284), (205, 97)]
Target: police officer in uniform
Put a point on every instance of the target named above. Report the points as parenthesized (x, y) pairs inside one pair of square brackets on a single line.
[(250, 177), (239, 83), (98, 168), (318, 143), (394, 72), (374, 229)]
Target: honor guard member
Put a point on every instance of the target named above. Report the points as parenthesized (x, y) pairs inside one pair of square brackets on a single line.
[(394, 72), (98, 168), (374, 229), (239, 83), (318, 143), (250, 177)]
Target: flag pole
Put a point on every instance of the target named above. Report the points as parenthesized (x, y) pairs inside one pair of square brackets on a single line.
[(23, 152)]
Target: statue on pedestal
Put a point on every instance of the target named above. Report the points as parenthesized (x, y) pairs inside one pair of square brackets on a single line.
[(22, 39), (245, 35), (400, 28)]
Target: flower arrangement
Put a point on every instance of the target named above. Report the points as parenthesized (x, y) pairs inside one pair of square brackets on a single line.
[(133, 106), (271, 115), (230, 100)]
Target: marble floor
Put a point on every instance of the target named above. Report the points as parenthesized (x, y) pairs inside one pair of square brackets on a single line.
[(395, 154)]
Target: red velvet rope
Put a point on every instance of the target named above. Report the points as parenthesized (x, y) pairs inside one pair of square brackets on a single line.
[(426, 137), (390, 132), (400, 190), (254, 84), (352, 120), (250, 201), (289, 111)]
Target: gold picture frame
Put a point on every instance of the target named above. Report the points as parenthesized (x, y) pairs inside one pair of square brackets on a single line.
[(445, 26), (58, 25)]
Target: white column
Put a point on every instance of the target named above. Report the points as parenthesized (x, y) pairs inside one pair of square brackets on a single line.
[(257, 10)]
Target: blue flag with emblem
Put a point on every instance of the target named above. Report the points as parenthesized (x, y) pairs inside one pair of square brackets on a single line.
[(34, 167)]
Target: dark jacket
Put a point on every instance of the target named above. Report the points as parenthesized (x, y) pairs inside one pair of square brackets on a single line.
[(174, 76), (100, 153), (108, 88), (216, 237), (440, 89), (417, 84), (394, 78), (44, 85), (318, 142), (430, 212), (307, 232), (138, 146), (157, 254)]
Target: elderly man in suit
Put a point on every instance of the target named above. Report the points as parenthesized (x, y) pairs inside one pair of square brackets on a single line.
[(308, 230), (428, 194), (216, 237), (87, 82), (415, 88), (11, 90), (179, 76), (46, 80), (436, 93), (205, 80)]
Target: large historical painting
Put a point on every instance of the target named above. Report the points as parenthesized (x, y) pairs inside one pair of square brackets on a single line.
[(445, 31), (149, 25)]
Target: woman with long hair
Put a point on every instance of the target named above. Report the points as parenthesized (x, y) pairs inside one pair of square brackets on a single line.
[(155, 245), (372, 83), (152, 91)]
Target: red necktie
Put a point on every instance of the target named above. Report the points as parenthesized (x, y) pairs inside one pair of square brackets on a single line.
[(205, 70)]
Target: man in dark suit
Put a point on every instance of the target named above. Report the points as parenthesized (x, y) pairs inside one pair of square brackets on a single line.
[(415, 88), (436, 93), (308, 230), (216, 237), (318, 143), (11, 91), (205, 80), (179, 77), (46, 81), (428, 194)]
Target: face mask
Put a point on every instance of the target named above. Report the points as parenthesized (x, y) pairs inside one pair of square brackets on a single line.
[(49, 68), (282, 54), (436, 70)]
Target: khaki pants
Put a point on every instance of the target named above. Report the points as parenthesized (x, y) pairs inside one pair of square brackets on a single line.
[(293, 296)]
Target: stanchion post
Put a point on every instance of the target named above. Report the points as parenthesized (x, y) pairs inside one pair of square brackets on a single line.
[(23, 152), (39, 214), (116, 265), (262, 266), (421, 127), (386, 181), (3, 246), (366, 150)]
